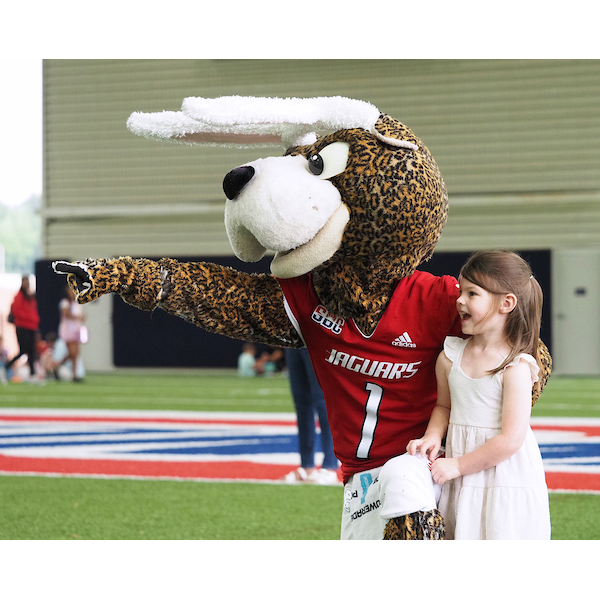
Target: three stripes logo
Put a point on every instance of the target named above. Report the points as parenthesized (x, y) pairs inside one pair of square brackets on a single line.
[(404, 341)]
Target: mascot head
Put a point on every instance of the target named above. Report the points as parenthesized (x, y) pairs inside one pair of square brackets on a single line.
[(357, 200)]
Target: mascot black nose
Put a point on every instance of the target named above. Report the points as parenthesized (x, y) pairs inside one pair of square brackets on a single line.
[(235, 180)]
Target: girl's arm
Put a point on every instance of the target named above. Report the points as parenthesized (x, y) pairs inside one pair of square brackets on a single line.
[(430, 443), (516, 411)]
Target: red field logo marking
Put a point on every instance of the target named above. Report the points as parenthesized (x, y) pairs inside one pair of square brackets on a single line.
[(223, 446), (571, 452), (148, 444)]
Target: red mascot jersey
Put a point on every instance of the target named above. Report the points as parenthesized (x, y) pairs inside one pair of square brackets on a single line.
[(379, 389)]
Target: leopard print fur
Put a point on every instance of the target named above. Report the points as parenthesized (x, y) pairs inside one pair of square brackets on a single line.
[(197, 292), (545, 372), (398, 207), (202, 295), (416, 526), (134, 279)]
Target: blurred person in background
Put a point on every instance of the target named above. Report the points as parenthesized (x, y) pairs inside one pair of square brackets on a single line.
[(3, 361), (270, 362), (70, 331), (247, 360), (45, 352), (309, 402), (25, 317)]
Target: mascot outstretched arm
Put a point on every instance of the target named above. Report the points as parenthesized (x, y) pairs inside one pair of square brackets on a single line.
[(352, 208), (190, 291)]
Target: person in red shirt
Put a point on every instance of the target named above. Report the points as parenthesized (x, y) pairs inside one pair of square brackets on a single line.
[(26, 321)]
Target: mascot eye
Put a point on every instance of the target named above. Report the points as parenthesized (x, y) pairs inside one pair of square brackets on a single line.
[(331, 161), (315, 164)]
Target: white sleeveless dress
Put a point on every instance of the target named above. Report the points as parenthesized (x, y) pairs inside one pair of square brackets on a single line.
[(508, 501)]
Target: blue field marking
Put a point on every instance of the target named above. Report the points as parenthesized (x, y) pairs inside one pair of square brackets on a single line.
[(570, 445), (263, 436), (176, 442), (588, 454), (202, 436)]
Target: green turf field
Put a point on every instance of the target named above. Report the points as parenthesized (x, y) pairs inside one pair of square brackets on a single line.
[(140, 390), (45, 508)]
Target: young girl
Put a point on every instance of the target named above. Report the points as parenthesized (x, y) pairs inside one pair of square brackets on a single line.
[(494, 483)]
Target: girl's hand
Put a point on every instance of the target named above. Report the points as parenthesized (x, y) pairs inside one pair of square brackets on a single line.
[(428, 446), (445, 469), (413, 446)]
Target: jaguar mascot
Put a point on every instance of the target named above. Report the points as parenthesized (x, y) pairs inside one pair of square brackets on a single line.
[(352, 208)]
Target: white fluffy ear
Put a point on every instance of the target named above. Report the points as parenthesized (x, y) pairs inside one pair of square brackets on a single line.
[(251, 121), (168, 126)]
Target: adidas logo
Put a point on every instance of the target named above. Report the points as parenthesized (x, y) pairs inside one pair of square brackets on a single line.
[(404, 341)]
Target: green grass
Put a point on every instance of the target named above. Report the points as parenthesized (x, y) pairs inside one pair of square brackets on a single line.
[(48, 508), (575, 516), (224, 391), (569, 397), (180, 390)]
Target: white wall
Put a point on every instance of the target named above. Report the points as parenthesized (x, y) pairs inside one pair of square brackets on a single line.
[(97, 353), (576, 312)]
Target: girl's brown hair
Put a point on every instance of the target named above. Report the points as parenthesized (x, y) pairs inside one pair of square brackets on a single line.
[(501, 272)]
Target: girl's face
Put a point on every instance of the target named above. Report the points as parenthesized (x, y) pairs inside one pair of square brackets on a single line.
[(476, 307)]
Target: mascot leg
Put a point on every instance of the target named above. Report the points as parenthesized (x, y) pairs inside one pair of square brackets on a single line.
[(409, 500), (420, 525)]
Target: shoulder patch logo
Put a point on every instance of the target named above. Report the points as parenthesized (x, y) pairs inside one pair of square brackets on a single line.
[(404, 341), (328, 320)]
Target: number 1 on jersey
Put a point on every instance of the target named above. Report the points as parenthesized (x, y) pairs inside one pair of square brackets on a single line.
[(370, 422)]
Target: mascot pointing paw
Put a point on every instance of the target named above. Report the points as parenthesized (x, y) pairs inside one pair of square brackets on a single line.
[(350, 210)]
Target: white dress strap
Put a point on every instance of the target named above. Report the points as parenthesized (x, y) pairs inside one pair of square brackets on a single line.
[(453, 347), (533, 366)]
